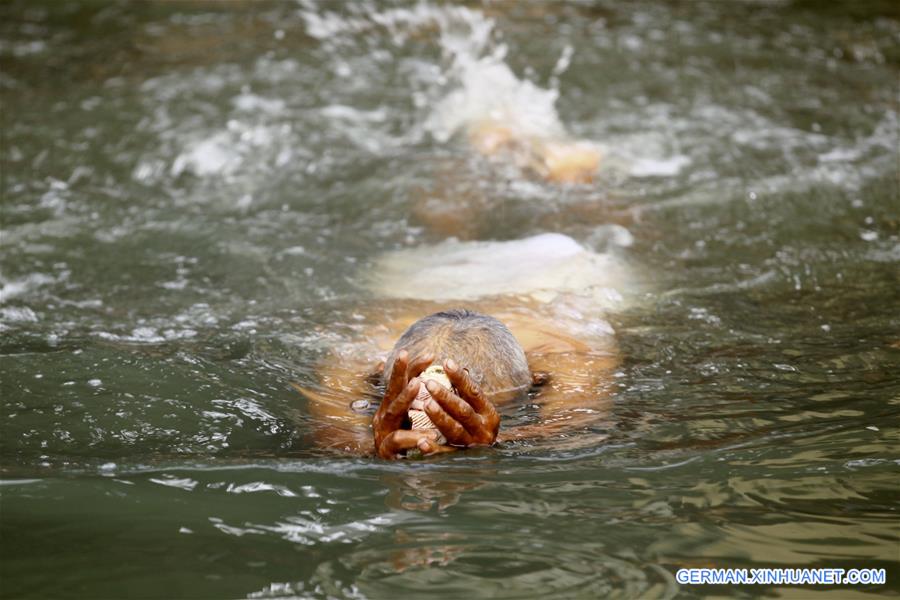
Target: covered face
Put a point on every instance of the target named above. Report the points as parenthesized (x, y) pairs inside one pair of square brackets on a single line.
[(432, 373), (418, 418), (477, 342)]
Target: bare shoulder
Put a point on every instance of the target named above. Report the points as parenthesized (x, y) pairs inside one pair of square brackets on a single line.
[(539, 336)]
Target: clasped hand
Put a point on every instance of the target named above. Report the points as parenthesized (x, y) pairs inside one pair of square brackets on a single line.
[(466, 418)]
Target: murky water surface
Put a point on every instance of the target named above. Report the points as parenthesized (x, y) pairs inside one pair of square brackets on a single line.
[(191, 192)]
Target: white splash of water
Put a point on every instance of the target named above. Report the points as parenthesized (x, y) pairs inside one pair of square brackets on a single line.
[(477, 85), (18, 314), (652, 167), (226, 152), (12, 288), (251, 103), (483, 87), (209, 156)]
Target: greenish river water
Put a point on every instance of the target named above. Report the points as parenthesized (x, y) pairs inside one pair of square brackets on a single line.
[(191, 191)]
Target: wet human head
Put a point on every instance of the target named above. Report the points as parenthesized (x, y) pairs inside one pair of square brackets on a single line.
[(477, 342)]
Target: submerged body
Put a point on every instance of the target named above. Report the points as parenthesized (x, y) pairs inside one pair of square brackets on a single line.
[(554, 159), (549, 292)]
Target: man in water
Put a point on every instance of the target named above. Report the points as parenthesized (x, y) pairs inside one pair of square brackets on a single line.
[(532, 324), (463, 414), (554, 159)]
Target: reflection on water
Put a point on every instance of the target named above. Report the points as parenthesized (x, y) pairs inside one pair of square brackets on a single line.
[(193, 194)]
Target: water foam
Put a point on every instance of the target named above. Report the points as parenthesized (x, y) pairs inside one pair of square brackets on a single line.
[(476, 85), (484, 88)]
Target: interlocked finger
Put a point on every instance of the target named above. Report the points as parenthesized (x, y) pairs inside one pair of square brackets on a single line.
[(429, 447), (455, 406), (418, 365), (452, 429), (402, 440), (398, 378), (396, 411), (469, 390)]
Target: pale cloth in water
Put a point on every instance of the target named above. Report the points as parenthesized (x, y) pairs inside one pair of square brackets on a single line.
[(542, 267)]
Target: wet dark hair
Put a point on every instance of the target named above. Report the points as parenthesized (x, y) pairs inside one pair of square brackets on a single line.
[(477, 342)]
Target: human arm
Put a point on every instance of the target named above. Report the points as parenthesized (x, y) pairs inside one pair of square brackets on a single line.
[(330, 404)]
